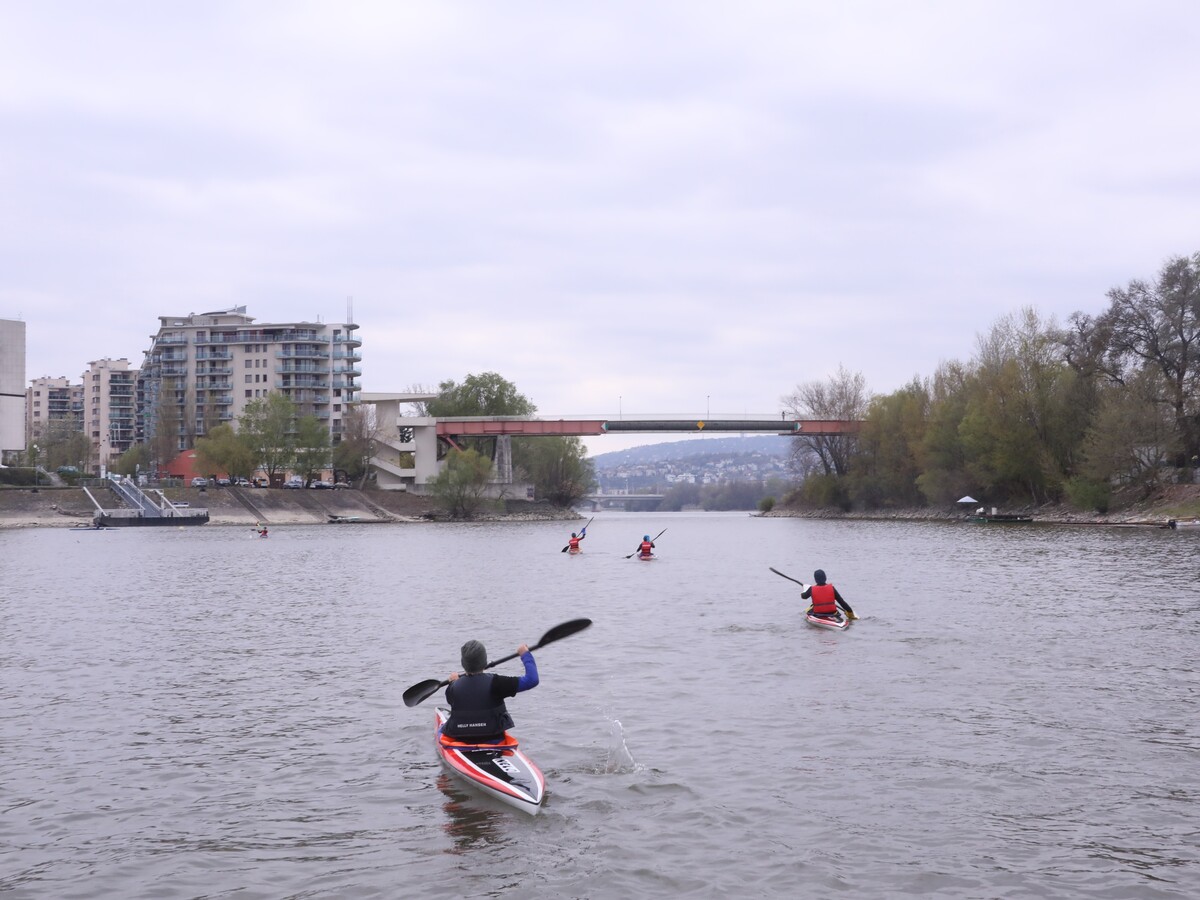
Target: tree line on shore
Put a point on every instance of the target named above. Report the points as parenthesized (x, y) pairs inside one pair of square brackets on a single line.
[(1041, 412)]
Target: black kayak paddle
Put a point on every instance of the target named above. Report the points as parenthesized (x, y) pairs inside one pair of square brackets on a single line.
[(846, 606), (423, 690), (652, 540), (582, 535)]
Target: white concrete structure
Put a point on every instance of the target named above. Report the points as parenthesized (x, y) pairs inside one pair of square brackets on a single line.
[(12, 388), (406, 453)]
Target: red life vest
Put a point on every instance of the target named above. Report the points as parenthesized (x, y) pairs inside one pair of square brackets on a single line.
[(573, 543), (823, 602), (645, 547)]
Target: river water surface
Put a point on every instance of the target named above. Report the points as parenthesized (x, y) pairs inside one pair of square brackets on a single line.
[(200, 713)]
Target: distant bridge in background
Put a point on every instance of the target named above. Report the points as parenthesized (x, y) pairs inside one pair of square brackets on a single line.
[(631, 502), (493, 426), (409, 449)]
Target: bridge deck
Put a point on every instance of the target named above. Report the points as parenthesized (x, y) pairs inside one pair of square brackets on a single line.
[(491, 426)]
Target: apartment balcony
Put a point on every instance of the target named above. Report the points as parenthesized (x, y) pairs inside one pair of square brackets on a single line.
[(347, 340), (348, 370), (303, 353), (172, 339), (302, 381), (174, 371), (213, 353), (214, 370), (222, 400), (301, 368)]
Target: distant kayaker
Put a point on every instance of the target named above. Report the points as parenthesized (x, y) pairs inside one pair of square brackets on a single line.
[(477, 710), (825, 597), (645, 548), (573, 543)]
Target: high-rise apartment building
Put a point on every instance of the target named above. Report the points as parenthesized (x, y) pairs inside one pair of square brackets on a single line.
[(109, 414), (52, 405), (12, 387), (202, 369)]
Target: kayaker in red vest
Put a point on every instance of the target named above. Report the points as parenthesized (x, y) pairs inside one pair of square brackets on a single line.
[(477, 710), (645, 547), (825, 597), (573, 543)]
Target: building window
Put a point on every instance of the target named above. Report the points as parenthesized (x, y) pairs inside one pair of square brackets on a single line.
[(247, 379), (248, 363), (249, 393)]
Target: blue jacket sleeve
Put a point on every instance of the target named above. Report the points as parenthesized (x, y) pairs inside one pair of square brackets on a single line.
[(530, 678)]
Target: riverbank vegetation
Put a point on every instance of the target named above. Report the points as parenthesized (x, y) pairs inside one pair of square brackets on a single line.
[(1040, 414), (557, 467)]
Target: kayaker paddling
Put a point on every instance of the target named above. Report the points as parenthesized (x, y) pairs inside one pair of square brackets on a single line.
[(477, 710), (486, 756), (826, 601)]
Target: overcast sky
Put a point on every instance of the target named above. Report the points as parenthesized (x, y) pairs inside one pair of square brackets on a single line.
[(622, 207)]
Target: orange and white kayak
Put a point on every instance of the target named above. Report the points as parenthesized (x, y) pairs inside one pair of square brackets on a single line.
[(500, 770), (838, 621)]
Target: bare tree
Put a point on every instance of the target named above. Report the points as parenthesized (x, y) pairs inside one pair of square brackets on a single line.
[(1157, 326), (843, 397)]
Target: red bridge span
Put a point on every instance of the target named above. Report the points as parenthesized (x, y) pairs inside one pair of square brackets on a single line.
[(450, 429)]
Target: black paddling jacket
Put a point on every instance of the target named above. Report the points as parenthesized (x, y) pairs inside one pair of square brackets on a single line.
[(477, 710)]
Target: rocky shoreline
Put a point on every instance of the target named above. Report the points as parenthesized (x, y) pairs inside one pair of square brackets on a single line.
[(1176, 501), (68, 507)]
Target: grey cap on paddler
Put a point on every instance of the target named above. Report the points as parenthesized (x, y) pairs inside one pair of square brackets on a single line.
[(474, 657)]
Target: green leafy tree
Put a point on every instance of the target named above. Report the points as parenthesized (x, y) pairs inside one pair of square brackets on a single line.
[(885, 468), (680, 495), (311, 447), (488, 394), (133, 461), (480, 395), (1132, 437), (943, 475), (267, 425), (224, 450), (63, 444), (462, 483), (559, 468)]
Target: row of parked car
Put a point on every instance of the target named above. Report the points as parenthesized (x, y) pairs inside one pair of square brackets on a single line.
[(292, 483)]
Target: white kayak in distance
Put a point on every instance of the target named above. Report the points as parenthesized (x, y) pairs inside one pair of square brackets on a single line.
[(500, 770), (838, 621)]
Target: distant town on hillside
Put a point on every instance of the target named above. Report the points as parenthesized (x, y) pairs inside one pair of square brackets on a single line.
[(658, 467)]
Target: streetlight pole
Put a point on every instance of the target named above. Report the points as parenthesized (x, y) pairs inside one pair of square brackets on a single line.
[(36, 478)]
